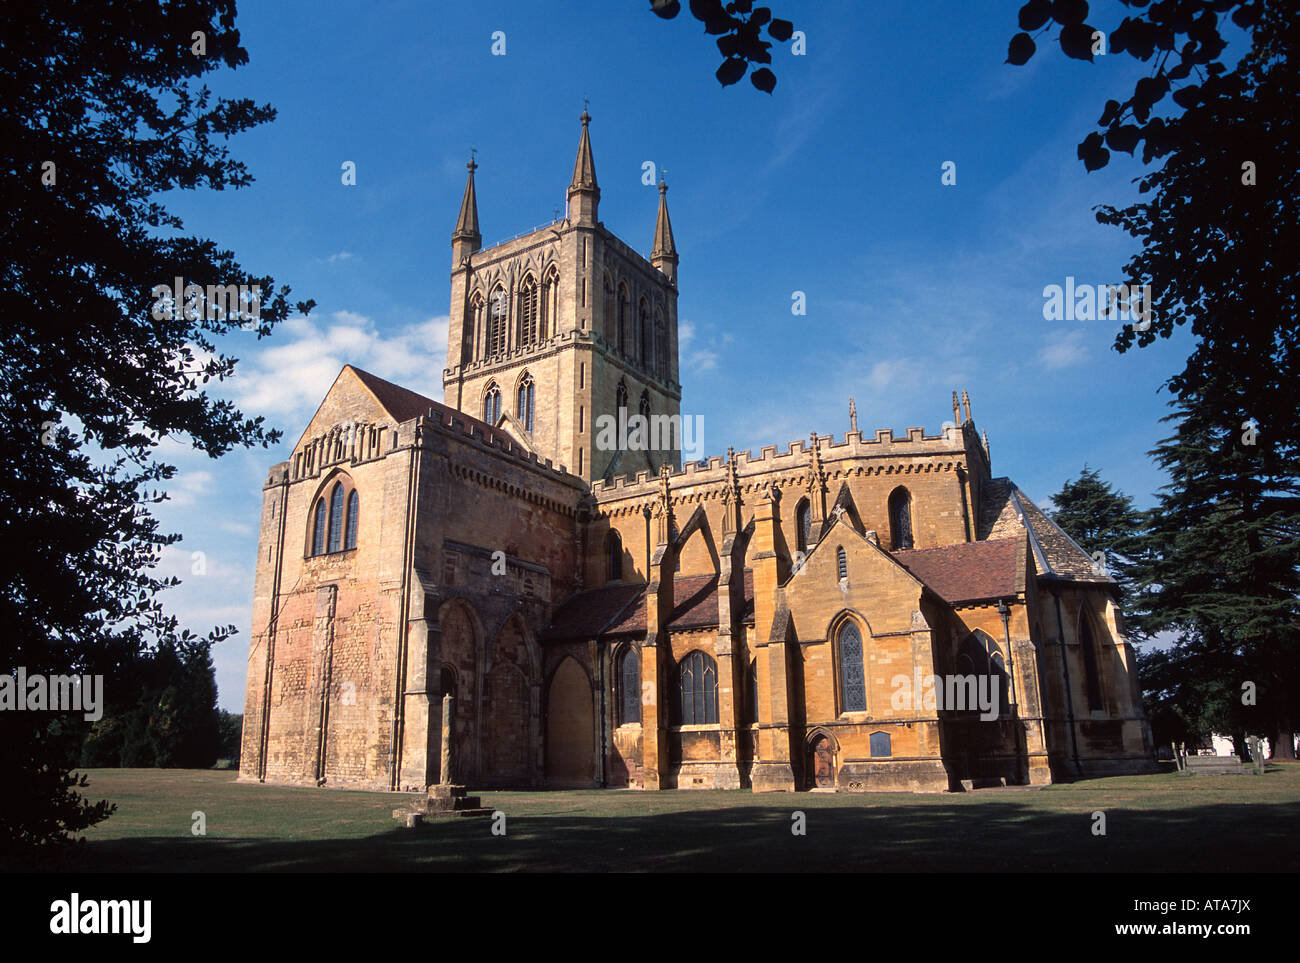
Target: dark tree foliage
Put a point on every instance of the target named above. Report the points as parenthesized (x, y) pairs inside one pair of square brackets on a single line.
[(102, 113), (739, 28), (1102, 519), (166, 714), (1218, 229), (231, 729)]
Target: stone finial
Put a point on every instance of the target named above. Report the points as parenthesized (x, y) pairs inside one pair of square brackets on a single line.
[(965, 401), (956, 410), (986, 447), (853, 415)]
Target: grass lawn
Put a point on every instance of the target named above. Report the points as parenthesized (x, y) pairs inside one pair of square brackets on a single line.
[(1159, 823)]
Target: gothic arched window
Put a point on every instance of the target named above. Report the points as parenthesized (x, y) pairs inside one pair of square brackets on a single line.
[(661, 346), (627, 672), (318, 527), (354, 512), (900, 518), (336, 518), (697, 690), (803, 525), (525, 405), (1088, 649), (496, 338), (492, 404), (473, 346), (624, 320), (611, 318), (529, 312), (550, 305), (644, 408), (853, 687)]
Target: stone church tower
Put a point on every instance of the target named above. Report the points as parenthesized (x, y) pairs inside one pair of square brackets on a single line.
[(559, 326)]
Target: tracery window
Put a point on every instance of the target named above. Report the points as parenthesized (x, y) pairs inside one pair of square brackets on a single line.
[(492, 404), (496, 339), (697, 690), (628, 675), (529, 312), (853, 688)]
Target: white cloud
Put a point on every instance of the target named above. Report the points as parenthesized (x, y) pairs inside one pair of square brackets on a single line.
[(287, 379), (185, 488), (695, 358), (340, 256), (1062, 352)]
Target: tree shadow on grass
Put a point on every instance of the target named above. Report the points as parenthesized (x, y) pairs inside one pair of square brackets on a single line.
[(897, 838)]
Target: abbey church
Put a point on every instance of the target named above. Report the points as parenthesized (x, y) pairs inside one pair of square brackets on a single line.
[(848, 612)]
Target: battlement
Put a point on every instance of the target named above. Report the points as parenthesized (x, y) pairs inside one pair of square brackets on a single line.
[(916, 443)]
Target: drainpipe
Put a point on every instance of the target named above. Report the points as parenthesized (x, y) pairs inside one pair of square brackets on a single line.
[(1065, 669)]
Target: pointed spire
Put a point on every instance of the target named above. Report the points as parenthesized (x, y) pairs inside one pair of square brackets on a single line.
[(664, 253), (853, 415), (466, 239), (956, 410), (584, 186), (965, 404)]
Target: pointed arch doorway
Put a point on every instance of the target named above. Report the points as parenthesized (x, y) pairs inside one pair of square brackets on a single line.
[(821, 762)]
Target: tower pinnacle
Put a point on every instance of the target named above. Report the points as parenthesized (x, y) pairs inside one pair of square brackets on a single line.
[(584, 192), (664, 253), (466, 239)]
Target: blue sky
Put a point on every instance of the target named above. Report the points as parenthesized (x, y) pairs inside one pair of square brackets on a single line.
[(832, 186)]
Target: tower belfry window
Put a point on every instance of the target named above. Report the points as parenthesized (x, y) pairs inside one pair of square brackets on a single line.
[(492, 404), (529, 312), (496, 339)]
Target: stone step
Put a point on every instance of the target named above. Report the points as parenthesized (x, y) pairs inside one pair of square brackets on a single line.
[(412, 819)]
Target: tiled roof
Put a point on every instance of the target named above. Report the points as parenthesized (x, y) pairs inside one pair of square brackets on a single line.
[(402, 403), (1005, 511), (587, 614), (617, 610), (967, 572)]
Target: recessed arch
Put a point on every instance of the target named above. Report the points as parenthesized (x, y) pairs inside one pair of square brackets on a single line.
[(1088, 651)]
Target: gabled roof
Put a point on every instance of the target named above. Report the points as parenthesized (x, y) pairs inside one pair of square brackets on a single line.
[(969, 571), (1005, 511), (402, 404), (620, 610)]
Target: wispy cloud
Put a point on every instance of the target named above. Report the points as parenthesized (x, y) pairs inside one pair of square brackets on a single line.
[(1064, 351), (695, 357), (288, 379)]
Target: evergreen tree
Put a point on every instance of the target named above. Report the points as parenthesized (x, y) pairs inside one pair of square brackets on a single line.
[(1102, 519), (1217, 236)]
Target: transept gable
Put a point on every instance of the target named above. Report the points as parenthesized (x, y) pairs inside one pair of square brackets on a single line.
[(358, 397)]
